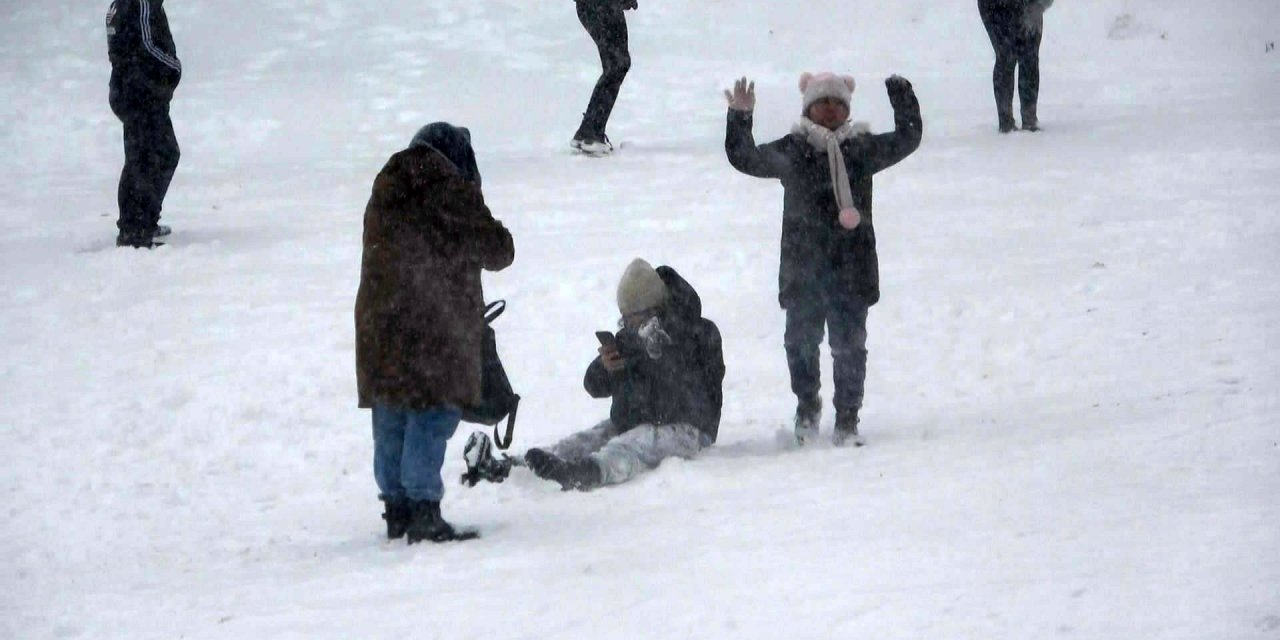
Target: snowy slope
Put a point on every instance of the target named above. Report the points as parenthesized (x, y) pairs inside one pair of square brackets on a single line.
[(1072, 400)]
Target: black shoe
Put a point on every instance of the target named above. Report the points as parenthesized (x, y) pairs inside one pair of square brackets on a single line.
[(846, 432), (161, 231), (481, 463), (398, 515), (428, 524), (592, 145), (808, 415), (1008, 126), (580, 475), (137, 240)]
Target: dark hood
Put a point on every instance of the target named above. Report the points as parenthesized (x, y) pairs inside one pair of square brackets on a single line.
[(683, 302), (454, 143)]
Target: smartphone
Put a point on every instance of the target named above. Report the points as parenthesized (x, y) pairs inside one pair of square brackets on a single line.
[(607, 339)]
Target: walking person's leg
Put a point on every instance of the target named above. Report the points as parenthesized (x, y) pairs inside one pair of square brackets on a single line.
[(607, 25), (802, 341), (1000, 26), (848, 330), (1028, 53)]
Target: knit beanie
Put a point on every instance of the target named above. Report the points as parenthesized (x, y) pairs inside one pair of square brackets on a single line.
[(641, 288), (816, 86)]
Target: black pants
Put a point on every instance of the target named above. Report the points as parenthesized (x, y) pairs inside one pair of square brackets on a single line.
[(847, 321), (1017, 47), (607, 26), (150, 158)]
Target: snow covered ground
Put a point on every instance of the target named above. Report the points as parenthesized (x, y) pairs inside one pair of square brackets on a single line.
[(1073, 395)]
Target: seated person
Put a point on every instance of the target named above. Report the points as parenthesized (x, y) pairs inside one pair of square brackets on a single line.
[(663, 369)]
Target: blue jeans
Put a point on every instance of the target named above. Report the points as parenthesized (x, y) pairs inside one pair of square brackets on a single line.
[(408, 451)]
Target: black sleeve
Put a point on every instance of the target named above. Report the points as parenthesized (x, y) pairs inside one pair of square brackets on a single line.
[(764, 161), (598, 381), (888, 149), (711, 365)]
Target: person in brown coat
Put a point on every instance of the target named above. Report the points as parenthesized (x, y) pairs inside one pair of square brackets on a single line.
[(419, 317)]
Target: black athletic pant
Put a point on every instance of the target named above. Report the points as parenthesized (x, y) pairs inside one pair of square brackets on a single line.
[(607, 26), (150, 158), (847, 321), (1017, 46)]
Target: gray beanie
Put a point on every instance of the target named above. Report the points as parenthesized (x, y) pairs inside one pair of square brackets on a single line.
[(641, 288)]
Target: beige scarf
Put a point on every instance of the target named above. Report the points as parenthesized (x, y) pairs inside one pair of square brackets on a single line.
[(824, 139)]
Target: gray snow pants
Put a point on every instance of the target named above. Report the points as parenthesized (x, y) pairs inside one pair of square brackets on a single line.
[(624, 455)]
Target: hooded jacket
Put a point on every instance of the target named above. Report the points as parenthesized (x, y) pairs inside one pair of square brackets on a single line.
[(684, 385), (419, 310), (819, 257), (145, 69)]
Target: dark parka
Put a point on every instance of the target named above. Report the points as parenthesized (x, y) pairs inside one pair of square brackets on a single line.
[(819, 257), (427, 235), (145, 69), (684, 385)]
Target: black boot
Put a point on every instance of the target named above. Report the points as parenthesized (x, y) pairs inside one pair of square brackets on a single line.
[(398, 514), (847, 429), (581, 475), (808, 414), (1029, 120), (137, 240), (428, 524)]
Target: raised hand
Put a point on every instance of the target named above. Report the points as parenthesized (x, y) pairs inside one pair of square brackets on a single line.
[(897, 85), (743, 96)]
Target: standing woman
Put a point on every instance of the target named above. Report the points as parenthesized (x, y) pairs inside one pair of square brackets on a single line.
[(606, 23), (419, 316), (1015, 28)]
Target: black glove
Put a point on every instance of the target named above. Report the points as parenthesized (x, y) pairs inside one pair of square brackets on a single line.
[(900, 92), (898, 87)]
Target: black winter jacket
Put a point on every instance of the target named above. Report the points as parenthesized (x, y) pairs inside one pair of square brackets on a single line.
[(145, 69), (684, 385), (819, 257)]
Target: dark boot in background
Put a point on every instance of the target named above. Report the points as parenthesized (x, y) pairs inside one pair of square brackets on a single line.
[(808, 414), (847, 430)]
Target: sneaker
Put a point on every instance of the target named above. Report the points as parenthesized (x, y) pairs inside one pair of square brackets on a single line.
[(161, 231), (846, 432), (808, 414), (481, 463), (137, 240), (592, 146)]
